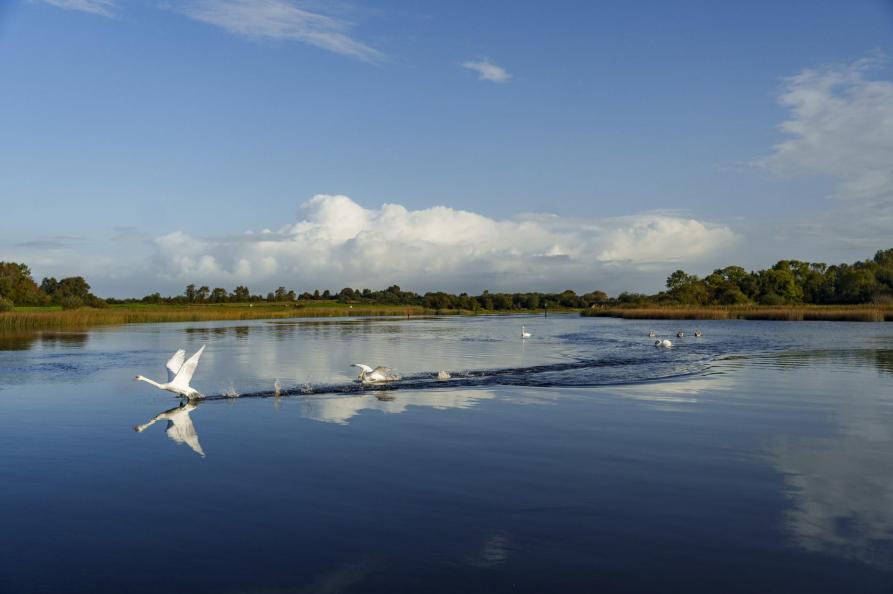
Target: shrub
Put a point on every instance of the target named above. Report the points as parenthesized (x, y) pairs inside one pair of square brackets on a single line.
[(71, 302), (6, 304)]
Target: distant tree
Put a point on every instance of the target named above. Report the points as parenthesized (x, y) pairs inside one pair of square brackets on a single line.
[(201, 295), (190, 293), (241, 294), (49, 285), (17, 285), (280, 294), (218, 295)]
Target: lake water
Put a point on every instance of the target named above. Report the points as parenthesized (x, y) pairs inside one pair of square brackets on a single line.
[(757, 458)]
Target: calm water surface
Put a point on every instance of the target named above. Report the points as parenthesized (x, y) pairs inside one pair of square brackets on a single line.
[(758, 458)]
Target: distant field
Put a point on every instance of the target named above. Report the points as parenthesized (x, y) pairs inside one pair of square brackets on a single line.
[(34, 318), (47, 318), (841, 313)]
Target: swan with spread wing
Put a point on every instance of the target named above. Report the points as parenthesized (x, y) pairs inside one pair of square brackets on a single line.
[(378, 375), (179, 374)]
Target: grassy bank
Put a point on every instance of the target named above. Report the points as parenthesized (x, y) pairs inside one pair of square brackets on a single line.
[(841, 313), (56, 318)]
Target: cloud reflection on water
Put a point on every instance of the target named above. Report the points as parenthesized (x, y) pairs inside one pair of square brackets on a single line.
[(340, 409)]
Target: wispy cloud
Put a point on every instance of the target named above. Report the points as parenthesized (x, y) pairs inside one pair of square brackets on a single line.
[(100, 7), (487, 70), (280, 19), (840, 124)]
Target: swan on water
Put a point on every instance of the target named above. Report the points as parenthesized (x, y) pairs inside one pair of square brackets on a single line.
[(698, 334), (443, 375), (179, 374), (525, 333), (652, 334), (680, 334), (665, 343), (375, 376), (179, 426)]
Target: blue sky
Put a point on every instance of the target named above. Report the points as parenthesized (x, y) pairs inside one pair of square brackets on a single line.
[(149, 143)]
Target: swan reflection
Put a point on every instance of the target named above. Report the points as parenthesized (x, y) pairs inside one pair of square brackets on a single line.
[(339, 409), (179, 426)]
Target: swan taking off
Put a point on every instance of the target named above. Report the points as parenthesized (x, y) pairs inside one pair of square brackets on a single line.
[(525, 333), (665, 343), (179, 374), (377, 375)]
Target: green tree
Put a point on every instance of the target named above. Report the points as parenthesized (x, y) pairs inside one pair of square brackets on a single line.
[(17, 285)]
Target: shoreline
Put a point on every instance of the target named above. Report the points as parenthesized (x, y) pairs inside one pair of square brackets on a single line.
[(28, 319), (787, 313)]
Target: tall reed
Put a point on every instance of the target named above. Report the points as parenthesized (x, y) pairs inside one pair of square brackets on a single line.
[(844, 313)]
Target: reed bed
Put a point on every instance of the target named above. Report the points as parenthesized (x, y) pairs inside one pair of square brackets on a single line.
[(836, 313), (87, 317)]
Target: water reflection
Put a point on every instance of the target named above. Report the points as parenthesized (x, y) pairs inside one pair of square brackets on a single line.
[(879, 359), (495, 550), (340, 409), (23, 341), (840, 482), (179, 426)]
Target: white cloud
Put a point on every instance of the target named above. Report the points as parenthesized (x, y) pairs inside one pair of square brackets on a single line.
[(488, 71), (100, 7), (661, 239), (840, 124), (340, 243), (279, 19)]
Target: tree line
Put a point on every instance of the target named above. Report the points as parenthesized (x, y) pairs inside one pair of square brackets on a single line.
[(393, 295), (787, 282)]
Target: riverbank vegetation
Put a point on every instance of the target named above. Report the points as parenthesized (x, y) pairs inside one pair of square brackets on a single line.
[(790, 290)]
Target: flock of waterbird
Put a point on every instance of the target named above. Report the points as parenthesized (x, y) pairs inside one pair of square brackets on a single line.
[(180, 369), (666, 343)]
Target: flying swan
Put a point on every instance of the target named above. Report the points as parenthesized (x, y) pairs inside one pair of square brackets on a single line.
[(179, 374), (377, 375)]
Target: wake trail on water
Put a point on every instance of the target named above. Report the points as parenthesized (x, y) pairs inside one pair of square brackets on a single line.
[(579, 374)]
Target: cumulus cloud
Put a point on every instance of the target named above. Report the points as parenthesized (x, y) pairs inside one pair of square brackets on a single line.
[(100, 7), (280, 19), (840, 124), (488, 71), (338, 242)]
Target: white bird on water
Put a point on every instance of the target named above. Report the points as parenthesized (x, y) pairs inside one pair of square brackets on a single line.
[(375, 376), (525, 333), (665, 343), (179, 374)]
